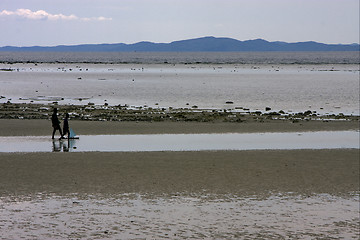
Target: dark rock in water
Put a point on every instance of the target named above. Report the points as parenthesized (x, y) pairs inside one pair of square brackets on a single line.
[(267, 108), (308, 112), (229, 102)]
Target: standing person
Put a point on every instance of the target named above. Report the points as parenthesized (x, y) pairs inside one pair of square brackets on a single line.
[(66, 126), (55, 123)]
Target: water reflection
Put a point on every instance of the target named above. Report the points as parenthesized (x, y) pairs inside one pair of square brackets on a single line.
[(63, 145), (184, 142)]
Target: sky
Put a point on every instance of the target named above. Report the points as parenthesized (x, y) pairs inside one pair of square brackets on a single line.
[(70, 22)]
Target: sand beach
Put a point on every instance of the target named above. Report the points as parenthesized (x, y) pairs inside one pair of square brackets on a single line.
[(179, 195)]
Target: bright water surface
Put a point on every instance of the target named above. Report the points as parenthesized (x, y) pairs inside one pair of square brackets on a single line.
[(185, 57), (184, 142), (325, 82)]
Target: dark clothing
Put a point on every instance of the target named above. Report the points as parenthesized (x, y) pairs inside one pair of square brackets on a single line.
[(66, 126), (55, 124), (55, 121)]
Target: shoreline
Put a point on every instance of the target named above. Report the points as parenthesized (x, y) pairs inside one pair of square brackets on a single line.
[(34, 120)]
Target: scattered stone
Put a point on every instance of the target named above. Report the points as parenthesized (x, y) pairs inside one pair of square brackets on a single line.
[(308, 112)]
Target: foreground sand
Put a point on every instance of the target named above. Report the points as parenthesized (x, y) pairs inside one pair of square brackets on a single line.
[(219, 172), (267, 194), (299, 194), (303, 171)]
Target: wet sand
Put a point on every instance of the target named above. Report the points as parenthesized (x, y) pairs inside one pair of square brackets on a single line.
[(179, 195), (40, 127), (304, 171), (218, 172)]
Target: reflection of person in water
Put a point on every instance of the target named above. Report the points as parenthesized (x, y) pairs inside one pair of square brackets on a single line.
[(55, 123), (64, 146), (66, 126), (56, 146)]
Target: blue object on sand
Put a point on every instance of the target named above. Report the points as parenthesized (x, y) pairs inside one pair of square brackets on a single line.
[(72, 134)]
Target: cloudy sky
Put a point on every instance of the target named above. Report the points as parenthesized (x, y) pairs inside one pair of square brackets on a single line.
[(55, 22)]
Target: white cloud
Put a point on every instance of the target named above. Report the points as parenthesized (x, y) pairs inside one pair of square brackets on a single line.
[(43, 15)]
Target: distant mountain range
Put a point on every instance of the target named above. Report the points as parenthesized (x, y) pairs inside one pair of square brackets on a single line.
[(205, 44)]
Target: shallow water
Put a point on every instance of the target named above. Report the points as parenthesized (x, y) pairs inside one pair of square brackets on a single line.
[(185, 57), (291, 88), (184, 142), (133, 216)]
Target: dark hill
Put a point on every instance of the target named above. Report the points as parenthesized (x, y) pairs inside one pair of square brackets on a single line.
[(205, 44)]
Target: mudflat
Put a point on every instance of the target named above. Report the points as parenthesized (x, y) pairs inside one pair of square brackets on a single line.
[(216, 172), (267, 194)]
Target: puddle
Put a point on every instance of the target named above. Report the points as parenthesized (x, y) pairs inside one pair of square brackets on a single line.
[(184, 142)]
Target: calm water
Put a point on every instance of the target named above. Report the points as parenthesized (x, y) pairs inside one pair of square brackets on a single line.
[(184, 142), (325, 82), (186, 57), (326, 89)]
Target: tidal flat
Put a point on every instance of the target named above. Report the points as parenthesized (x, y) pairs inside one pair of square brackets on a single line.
[(272, 194)]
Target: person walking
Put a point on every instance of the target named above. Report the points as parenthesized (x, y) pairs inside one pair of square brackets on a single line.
[(55, 123), (66, 129)]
